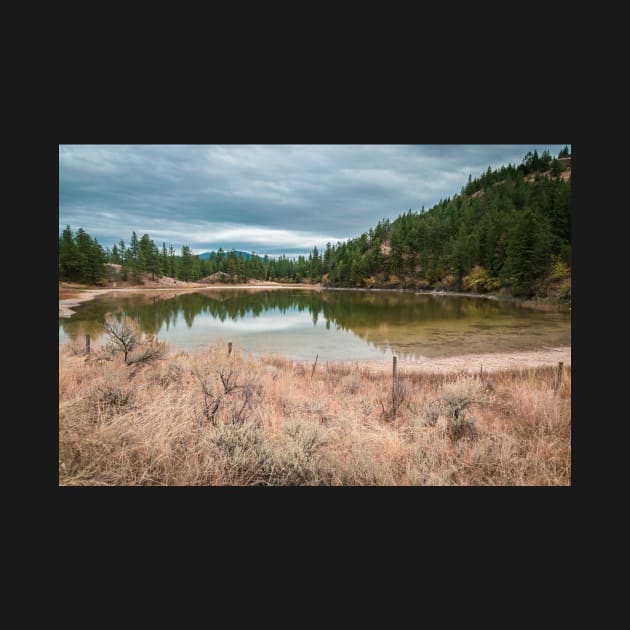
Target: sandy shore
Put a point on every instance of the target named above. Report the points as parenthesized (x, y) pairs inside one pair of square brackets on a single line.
[(491, 362), (66, 305)]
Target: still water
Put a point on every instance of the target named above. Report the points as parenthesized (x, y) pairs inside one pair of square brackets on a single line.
[(336, 325)]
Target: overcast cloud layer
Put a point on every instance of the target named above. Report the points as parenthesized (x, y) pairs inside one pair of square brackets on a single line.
[(271, 199)]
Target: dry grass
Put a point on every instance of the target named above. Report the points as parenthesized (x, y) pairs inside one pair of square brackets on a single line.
[(210, 419)]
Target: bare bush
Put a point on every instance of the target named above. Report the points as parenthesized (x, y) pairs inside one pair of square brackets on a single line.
[(227, 394), (125, 334)]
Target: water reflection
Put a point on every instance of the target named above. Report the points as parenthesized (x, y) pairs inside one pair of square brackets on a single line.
[(339, 323)]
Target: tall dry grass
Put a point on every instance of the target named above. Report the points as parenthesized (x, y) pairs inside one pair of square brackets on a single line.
[(212, 419)]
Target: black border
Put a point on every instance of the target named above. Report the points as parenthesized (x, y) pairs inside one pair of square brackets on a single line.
[(372, 117)]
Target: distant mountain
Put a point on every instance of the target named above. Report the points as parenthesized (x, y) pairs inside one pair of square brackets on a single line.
[(244, 255)]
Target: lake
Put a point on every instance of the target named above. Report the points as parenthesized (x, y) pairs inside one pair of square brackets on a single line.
[(336, 325)]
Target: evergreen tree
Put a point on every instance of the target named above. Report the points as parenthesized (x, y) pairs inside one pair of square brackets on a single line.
[(164, 267), (68, 261), (115, 255), (185, 267), (172, 262), (144, 253), (155, 262), (124, 269), (90, 258), (528, 251), (132, 258), (195, 272)]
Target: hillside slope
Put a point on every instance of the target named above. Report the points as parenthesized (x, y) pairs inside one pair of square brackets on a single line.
[(509, 231)]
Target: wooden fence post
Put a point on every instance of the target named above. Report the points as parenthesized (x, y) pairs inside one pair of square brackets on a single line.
[(394, 360), (229, 348), (314, 364), (559, 377), (87, 344)]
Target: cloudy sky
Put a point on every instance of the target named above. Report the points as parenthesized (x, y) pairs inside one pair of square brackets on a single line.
[(272, 199)]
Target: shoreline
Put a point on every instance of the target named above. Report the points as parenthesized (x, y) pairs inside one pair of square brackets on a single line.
[(531, 303), (66, 305), (468, 363), (487, 296)]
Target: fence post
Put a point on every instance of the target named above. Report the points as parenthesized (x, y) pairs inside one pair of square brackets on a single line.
[(229, 348), (314, 364), (559, 377), (481, 372), (87, 344), (394, 360)]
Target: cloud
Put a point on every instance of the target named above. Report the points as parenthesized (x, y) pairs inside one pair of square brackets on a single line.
[(263, 197)]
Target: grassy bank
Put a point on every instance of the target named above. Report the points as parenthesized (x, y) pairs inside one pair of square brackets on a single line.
[(209, 419)]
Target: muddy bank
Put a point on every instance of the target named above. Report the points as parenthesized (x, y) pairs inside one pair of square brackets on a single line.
[(471, 363)]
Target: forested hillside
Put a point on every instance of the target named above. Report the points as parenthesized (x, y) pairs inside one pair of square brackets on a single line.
[(508, 230)]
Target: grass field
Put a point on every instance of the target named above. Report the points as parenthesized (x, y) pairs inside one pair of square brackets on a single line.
[(213, 419)]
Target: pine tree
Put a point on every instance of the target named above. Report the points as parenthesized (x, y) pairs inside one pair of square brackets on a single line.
[(528, 251), (164, 260), (172, 263), (155, 262), (115, 255), (144, 253), (133, 258), (185, 267), (68, 262)]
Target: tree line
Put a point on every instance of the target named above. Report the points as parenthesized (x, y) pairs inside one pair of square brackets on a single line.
[(83, 259), (508, 228)]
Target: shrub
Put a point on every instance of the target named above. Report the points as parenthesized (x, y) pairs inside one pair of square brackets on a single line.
[(249, 458), (458, 397), (224, 398), (111, 395), (147, 352), (453, 404), (559, 269), (124, 334), (480, 281), (431, 412)]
